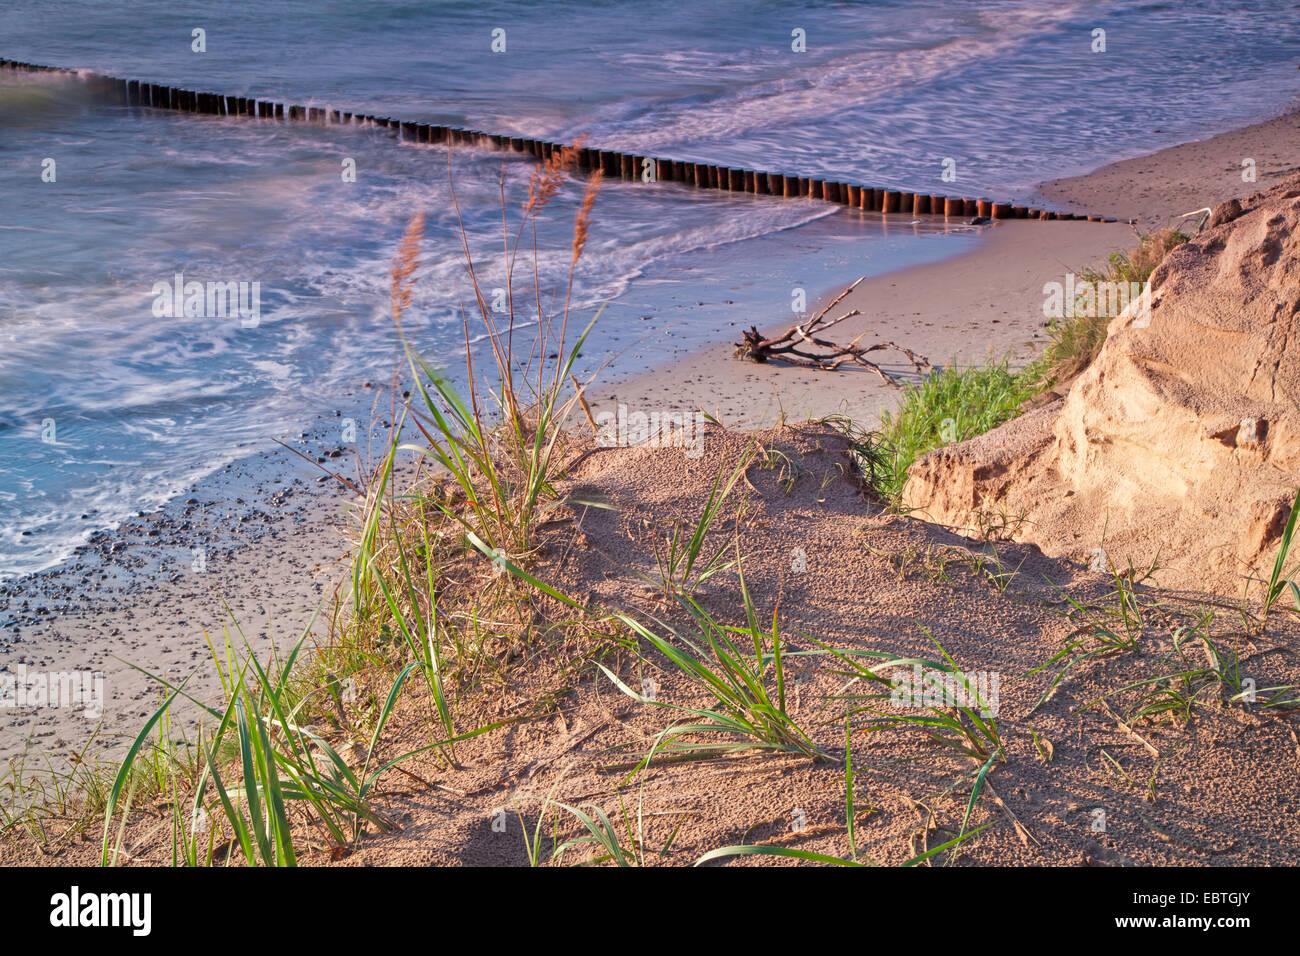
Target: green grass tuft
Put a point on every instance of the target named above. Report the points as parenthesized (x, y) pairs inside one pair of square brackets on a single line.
[(951, 406)]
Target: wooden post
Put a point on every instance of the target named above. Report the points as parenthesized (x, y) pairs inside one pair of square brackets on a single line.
[(891, 201), (920, 204), (1002, 210)]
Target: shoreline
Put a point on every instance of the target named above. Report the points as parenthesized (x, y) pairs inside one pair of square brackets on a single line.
[(277, 557), (1156, 187), (271, 553), (998, 285)]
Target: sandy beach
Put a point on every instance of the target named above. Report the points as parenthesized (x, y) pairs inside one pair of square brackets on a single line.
[(277, 555), (1158, 188), (984, 304)]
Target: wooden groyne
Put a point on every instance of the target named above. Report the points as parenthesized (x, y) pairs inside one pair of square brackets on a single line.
[(140, 93)]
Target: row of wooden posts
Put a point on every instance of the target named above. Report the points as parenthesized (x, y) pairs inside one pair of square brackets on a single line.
[(613, 163)]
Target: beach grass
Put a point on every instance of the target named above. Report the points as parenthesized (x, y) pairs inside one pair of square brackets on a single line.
[(741, 666), (850, 827), (952, 405), (682, 562), (259, 761)]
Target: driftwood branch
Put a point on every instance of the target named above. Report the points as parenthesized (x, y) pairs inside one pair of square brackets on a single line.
[(803, 346)]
